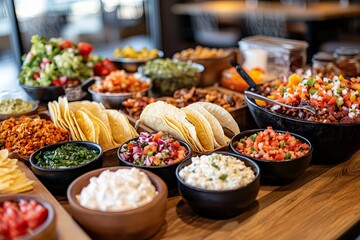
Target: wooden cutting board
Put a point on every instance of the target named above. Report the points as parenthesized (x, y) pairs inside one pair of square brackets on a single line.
[(66, 227)]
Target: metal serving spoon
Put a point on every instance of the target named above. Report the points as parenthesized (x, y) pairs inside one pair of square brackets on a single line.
[(253, 95)]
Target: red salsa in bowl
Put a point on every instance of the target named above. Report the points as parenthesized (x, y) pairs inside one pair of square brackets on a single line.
[(22, 217), (271, 145), (282, 156)]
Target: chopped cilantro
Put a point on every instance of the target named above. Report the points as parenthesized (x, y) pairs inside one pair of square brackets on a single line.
[(223, 176)]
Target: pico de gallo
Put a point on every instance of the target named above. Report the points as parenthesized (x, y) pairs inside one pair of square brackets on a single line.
[(271, 145), (60, 62), (18, 218), (153, 149), (336, 99)]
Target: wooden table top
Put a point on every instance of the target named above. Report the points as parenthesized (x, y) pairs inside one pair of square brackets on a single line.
[(323, 203), (236, 9)]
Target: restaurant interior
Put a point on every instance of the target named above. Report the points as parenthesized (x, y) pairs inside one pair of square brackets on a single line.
[(174, 25), (299, 66)]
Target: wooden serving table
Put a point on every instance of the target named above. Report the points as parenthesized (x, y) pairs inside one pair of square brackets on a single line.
[(323, 203)]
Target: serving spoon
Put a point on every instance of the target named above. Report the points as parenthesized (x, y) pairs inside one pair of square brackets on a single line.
[(253, 86), (254, 95)]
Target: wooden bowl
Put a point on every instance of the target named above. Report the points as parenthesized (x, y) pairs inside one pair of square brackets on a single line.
[(47, 230), (139, 223)]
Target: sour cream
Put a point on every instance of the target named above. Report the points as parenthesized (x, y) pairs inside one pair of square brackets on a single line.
[(217, 172), (117, 191)]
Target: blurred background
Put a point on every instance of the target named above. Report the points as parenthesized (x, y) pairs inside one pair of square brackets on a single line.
[(172, 25)]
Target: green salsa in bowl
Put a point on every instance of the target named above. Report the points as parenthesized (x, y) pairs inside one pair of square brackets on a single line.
[(57, 165)]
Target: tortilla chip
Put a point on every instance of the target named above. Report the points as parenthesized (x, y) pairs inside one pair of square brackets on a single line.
[(12, 180), (223, 116)]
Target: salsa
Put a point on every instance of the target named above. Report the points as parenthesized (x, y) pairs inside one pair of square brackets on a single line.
[(336, 99), (153, 149), (271, 145), (20, 218), (15, 105), (65, 156)]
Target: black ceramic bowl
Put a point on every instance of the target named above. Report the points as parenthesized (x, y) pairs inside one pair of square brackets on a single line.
[(332, 143), (220, 204), (167, 173), (43, 94), (58, 180), (277, 172)]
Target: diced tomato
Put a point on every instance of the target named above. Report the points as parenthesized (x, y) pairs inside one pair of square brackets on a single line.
[(17, 218), (158, 136), (36, 217), (332, 100), (36, 75), (84, 48), (347, 103), (104, 68), (151, 148), (109, 65), (279, 156), (130, 146), (66, 44), (56, 82), (104, 72), (176, 145)]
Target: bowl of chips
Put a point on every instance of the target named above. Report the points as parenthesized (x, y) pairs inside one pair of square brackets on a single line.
[(117, 87)]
